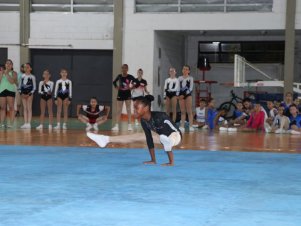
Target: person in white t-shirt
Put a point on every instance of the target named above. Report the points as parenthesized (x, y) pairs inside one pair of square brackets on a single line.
[(201, 115)]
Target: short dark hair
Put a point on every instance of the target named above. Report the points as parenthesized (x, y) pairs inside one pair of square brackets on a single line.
[(93, 98), (293, 105), (247, 99)]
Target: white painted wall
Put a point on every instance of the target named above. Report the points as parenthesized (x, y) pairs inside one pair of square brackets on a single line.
[(80, 30), (9, 36), (139, 28), (172, 49)]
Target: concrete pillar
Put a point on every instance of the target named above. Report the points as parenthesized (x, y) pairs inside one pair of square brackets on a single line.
[(289, 56), (117, 48), (24, 30)]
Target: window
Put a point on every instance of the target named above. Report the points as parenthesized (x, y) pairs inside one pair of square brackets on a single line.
[(72, 6), (253, 51), (9, 5), (183, 6)]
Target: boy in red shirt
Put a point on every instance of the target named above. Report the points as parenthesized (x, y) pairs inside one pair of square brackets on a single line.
[(256, 121)]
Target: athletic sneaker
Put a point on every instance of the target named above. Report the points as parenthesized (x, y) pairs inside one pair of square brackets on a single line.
[(26, 126), (182, 129), (50, 127), (130, 128), (295, 132), (100, 140), (279, 131), (64, 126), (89, 127), (95, 127), (9, 126), (136, 122), (167, 144), (39, 127), (232, 129), (57, 127), (2, 126), (205, 127), (191, 129), (223, 129), (115, 128)]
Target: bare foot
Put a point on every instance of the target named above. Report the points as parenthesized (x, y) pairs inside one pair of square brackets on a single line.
[(167, 164), (149, 163)]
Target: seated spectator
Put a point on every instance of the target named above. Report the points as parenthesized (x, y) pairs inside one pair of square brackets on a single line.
[(211, 114), (277, 104), (247, 107), (272, 112), (256, 120), (281, 122), (201, 115), (239, 116), (298, 104), (220, 119), (295, 120), (287, 103)]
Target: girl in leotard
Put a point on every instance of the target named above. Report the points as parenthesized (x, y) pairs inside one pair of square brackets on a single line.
[(185, 97), (62, 97), (140, 88), (168, 134), (124, 84), (27, 87), (45, 91), (171, 87)]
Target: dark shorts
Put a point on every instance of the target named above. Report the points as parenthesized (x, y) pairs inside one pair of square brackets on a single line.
[(171, 94), (63, 96), (124, 95), (7, 93), (26, 92), (135, 98), (184, 94), (46, 97)]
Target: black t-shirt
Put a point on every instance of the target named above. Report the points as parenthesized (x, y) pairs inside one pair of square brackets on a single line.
[(161, 124)]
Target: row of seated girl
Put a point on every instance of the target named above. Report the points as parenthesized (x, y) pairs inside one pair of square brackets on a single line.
[(281, 117)]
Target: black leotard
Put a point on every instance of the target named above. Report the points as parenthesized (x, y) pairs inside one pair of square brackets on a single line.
[(159, 123)]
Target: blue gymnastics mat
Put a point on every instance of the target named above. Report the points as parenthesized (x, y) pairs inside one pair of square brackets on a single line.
[(45, 186)]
